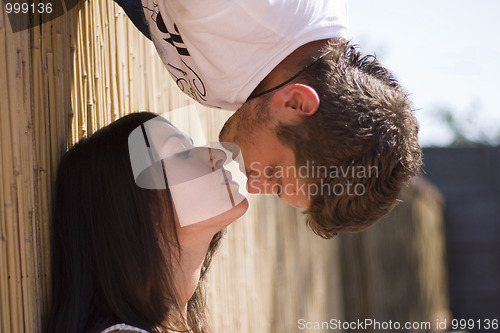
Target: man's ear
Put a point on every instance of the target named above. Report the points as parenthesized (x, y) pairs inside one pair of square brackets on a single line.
[(293, 102)]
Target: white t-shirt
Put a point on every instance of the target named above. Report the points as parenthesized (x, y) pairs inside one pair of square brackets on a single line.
[(218, 51)]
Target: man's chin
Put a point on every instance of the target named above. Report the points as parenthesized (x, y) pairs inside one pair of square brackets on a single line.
[(225, 134)]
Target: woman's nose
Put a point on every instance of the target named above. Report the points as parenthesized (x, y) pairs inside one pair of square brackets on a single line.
[(217, 157)]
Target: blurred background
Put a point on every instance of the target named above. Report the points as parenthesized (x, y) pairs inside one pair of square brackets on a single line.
[(446, 53)]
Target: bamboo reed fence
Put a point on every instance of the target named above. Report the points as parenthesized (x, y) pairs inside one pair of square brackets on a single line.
[(20, 237), (65, 78)]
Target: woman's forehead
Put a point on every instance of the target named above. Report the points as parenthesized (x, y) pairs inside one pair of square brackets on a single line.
[(159, 130)]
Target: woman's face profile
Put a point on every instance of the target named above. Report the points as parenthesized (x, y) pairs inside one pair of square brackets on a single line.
[(202, 189)]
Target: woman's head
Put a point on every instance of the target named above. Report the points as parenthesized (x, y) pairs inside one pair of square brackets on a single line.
[(202, 189), (114, 243)]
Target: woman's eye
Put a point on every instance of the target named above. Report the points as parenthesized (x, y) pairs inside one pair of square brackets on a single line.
[(184, 154), (177, 147)]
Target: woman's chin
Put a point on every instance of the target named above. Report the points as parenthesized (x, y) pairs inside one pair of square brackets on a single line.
[(224, 219)]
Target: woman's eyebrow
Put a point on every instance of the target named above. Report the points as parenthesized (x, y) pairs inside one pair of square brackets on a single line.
[(179, 136)]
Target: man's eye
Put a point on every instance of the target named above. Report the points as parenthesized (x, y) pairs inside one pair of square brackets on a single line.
[(270, 172)]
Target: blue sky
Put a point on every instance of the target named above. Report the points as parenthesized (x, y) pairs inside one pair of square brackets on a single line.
[(445, 53)]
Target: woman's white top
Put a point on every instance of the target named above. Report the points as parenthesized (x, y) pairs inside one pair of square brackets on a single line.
[(123, 327)]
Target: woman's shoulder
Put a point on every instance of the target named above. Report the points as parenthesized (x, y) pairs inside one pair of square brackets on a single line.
[(122, 328)]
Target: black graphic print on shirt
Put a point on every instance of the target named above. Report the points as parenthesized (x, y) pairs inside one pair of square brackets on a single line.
[(184, 75)]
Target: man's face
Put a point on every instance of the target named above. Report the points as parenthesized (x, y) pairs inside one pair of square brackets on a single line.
[(269, 164)]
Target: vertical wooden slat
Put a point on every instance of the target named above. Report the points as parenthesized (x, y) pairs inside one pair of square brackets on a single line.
[(7, 313), (39, 168), (13, 155), (26, 184)]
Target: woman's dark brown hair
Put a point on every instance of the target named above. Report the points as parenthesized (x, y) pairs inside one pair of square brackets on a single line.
[(113, 243)]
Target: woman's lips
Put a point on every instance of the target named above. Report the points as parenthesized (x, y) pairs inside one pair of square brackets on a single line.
[(228, 178)]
